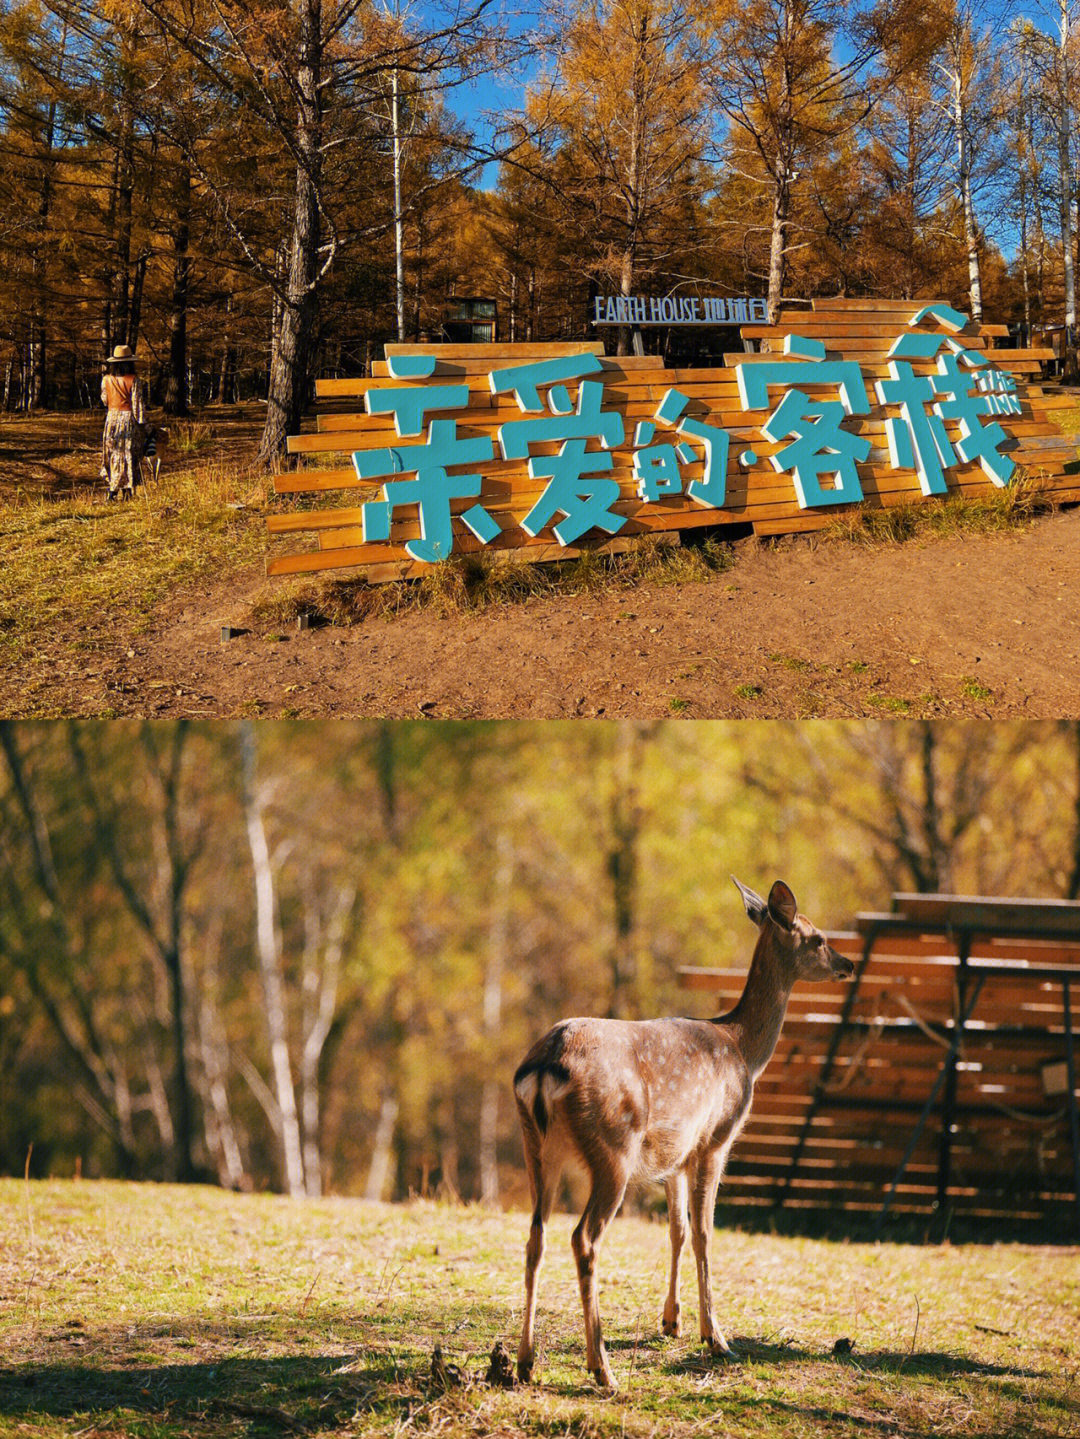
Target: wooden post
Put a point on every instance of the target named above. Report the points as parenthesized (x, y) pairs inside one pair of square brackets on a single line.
[(948, 1105), (943, 1072), (826, 1070)]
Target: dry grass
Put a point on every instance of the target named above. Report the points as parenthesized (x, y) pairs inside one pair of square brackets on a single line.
[(478, 581), (159, 1311), (79, 559), (1008, 509)]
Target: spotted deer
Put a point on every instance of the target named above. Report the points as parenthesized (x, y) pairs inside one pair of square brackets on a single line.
[(656, 1099)]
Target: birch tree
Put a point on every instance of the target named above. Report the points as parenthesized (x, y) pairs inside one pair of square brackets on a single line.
[(1052, 52), (279, 1098), (971, 94)]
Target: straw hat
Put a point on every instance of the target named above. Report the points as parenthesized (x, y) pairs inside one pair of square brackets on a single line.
[(122, 352)]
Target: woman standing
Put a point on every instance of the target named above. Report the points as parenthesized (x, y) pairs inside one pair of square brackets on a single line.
[(124, 437)]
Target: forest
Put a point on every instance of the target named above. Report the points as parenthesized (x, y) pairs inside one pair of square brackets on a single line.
[(254, 192), (307, 957)]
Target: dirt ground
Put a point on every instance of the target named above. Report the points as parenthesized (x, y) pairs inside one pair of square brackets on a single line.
[(983, 625), (986, 626)]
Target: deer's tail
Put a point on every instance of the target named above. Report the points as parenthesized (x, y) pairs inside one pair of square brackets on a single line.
[(537, 1083)]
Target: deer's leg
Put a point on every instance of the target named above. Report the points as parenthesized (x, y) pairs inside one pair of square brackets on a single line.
[(608, 1187), (702, 1207), (677, 1189), (543, 1185)]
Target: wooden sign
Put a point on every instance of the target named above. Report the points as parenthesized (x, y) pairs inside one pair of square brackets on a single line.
[(543, 450)]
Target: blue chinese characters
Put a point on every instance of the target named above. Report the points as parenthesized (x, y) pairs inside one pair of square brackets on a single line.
[(568, 430)]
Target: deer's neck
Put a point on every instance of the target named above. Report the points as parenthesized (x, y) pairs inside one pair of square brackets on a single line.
[(759, 1014)]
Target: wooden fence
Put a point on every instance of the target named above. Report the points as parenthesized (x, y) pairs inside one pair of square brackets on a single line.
[(939, 1080), (757, 494)]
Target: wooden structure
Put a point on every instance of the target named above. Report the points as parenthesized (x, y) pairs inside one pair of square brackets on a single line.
[(757, 494), (941, 1079)]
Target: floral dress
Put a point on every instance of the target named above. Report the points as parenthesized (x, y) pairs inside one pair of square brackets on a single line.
[(124, 437)]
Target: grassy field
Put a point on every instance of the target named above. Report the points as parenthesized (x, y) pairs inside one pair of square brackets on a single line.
[(143, 1310)]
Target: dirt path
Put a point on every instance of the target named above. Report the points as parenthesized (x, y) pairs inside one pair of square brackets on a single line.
[(984, 626)]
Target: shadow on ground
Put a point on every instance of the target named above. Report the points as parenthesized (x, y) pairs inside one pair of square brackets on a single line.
[(918, 1363), (292, 1393), (287, 1392)]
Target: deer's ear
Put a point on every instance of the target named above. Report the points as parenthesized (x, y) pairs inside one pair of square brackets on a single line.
[(755, 906), (782, 906)]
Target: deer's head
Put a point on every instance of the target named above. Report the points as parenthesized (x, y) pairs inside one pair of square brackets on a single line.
[(802, 944)]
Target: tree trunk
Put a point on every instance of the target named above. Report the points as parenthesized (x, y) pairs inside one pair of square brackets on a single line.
[(125, 186), (971, 238), (323, 950), (497, 949), (271, 970), (623, 867), (221, 1139), (108, 263), (628, 270), (399, 218), (778, 243), (1064, 127), (226, 388), (383, 1147), (135, 307), (299, 314), (176, 388)]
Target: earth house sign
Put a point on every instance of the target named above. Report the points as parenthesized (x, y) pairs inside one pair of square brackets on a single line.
[(677, 310), (545, 450)]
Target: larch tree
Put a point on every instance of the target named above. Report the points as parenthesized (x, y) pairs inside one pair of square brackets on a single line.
[(624, 128), (790, 77), (309, 75), (906, 139)]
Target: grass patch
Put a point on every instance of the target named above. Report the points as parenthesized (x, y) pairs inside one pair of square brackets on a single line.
[(892, 704), (1008, 509), (748, 692), (82, 559), (189, 436), (132, 1310), (480, 580), (1068, 420), (971, 689)]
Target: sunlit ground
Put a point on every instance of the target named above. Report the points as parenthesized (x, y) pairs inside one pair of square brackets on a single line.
[(129, 1309)]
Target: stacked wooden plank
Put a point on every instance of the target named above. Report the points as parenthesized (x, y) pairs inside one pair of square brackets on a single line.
[(837, 1106), (757, 494), (864, 330)]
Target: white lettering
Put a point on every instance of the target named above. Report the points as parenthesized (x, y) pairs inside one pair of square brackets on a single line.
[(678, 310)]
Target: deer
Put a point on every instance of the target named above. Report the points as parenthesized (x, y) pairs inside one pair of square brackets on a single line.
[(656, 1099)]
